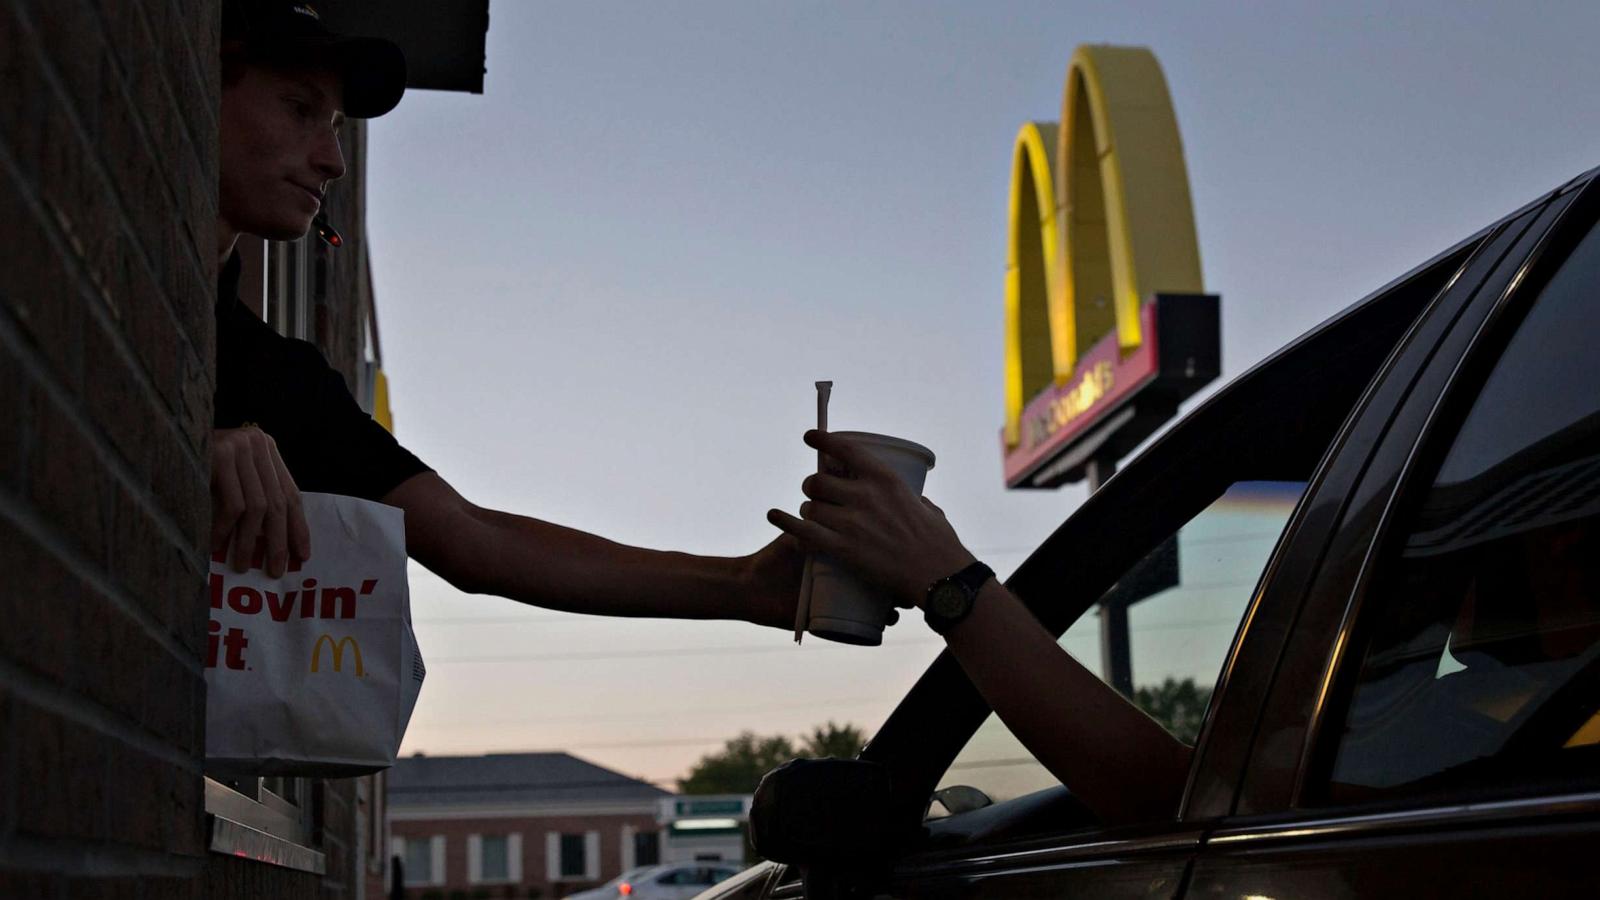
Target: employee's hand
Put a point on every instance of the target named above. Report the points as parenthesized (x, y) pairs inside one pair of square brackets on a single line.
[(868, 519), (772, 582), (254, 499)]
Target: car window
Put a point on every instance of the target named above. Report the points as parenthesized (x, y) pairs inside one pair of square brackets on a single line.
[(676, 876), (1481, 664), (1184, 601)]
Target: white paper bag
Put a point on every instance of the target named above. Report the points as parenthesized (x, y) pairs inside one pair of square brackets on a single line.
[(316, 672)]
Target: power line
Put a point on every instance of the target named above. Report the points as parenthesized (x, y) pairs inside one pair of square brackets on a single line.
[(654, 742), (568, 619), (679, 652), (516, 786), (653, 654), (520, 620), (664, 742), (995, 763), (583, 619), (682, 652), (819, 705)]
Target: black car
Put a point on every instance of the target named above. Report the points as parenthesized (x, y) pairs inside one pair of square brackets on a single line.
[(1388, 550)]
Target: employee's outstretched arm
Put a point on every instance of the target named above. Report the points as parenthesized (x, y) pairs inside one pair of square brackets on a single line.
[(485, 551), (1118, 760)]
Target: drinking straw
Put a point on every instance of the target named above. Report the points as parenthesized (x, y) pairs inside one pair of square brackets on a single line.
[(802, 610)]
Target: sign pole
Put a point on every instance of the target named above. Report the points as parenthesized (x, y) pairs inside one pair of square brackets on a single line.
[(1116, 651), (1098, 471)]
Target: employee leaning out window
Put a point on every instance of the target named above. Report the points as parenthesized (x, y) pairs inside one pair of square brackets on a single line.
[(285, 421)]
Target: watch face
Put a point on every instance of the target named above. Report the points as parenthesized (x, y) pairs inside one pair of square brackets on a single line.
[(947, 599)]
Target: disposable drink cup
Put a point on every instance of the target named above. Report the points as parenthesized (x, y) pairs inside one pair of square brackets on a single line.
[(843, 607)]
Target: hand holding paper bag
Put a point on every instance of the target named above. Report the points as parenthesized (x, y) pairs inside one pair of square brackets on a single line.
[(315, 672)]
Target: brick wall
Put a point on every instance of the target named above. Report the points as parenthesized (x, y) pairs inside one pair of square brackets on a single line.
[(107, 210), (108, 177), (336, 802)]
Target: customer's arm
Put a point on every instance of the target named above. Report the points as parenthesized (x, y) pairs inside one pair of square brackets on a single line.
[(490, 552), (1118, 760)]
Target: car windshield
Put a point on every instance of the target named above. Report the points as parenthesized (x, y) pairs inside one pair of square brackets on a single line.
[(1183, 604), (633, 874)]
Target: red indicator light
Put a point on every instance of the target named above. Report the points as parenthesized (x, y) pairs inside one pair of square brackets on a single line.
[(624, 889)]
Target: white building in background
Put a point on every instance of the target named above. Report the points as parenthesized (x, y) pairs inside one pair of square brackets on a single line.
[(704, 828)]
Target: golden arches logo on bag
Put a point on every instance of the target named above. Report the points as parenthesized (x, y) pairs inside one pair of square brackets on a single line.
[(336, 648)]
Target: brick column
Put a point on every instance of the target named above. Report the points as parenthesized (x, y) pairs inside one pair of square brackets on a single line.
[(108, 178)]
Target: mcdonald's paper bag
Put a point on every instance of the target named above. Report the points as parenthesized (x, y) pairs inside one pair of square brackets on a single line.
[(316, 672)]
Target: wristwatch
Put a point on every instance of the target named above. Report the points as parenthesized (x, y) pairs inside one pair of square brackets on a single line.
[(950, 599)]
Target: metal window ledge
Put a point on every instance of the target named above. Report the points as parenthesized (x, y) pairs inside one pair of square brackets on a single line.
[(242, 827), (231, 838)]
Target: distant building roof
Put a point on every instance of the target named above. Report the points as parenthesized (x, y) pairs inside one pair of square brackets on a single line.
[(507, 779)]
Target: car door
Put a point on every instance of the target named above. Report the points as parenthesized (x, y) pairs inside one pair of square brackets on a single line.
[(1179, 538), (1034, 840), (1432, 726), (1184, 601)]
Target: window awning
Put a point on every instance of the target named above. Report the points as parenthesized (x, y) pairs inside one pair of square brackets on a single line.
[(443, 42)]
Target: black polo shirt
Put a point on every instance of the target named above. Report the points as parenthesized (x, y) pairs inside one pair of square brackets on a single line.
[(286, 386)]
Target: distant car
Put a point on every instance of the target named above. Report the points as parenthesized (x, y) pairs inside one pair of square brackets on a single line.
[(672, 881), (1382, 547), (608, 891)]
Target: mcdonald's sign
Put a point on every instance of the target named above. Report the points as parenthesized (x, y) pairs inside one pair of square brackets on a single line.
[(1107, 324), (336, 648)]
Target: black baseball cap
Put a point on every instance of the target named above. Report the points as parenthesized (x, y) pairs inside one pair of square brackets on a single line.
[(374, 70)]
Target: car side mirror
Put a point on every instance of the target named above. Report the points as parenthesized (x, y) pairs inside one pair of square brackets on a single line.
[(961, 798), (832, 814)]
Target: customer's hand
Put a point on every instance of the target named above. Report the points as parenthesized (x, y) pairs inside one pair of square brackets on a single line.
[(868, 519), (254, 500)]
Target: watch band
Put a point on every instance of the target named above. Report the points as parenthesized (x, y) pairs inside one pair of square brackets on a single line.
[(974, 576)]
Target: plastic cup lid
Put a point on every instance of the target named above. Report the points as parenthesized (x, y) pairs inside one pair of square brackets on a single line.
[(885, 440)]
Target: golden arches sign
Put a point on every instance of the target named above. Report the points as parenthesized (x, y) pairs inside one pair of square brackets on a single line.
[(1100, 220)]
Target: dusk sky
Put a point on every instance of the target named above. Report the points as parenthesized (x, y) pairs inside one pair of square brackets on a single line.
[(606, 285)]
